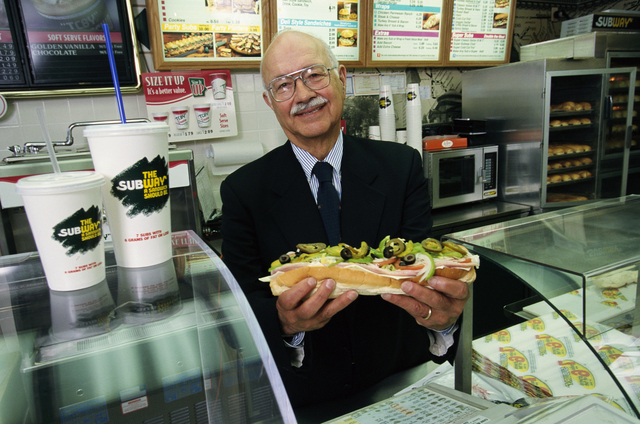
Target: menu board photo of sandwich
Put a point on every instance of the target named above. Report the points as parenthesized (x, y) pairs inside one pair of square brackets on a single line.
[(212, 34), (338, 23)]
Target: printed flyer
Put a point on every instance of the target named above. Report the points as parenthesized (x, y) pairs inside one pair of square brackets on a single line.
[(196, 104), (406, 30), (336, 23)]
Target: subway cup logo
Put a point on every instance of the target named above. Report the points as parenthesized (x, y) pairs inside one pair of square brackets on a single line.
[(143, 187), (81, 232), (550, 344), (574, 372), (510, 356)]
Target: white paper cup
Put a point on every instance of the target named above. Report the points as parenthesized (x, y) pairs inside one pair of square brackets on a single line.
[(160, 116), (82, 313), (219, 85), (149, 293), (65, 215), (374, 132), (181, 116), (134, 159), (401, 137), (203, 115)]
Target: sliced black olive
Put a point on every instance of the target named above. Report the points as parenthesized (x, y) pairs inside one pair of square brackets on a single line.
[(284, 259), (409, 259), (346, 254), (388, 252), (311, 247)]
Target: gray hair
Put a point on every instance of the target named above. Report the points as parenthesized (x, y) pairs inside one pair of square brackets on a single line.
[(332, 57)]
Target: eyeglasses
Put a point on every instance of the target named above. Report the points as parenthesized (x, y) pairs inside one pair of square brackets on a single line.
[(316, 77)]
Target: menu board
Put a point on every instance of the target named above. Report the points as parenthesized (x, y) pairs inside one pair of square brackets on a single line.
[(11, 69), (480, 31), (406, 31), (338, 23), (206, 34), (64, 45)]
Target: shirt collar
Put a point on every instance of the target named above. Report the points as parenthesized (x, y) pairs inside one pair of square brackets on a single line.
[(307, 160)]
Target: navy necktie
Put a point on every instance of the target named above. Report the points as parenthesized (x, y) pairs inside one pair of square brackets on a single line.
[(328, 201)]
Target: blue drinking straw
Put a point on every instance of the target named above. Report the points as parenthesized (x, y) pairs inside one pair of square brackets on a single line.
[(114, 72)]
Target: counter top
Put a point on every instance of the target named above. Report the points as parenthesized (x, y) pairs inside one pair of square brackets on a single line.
[(68, 161), (462, 217)]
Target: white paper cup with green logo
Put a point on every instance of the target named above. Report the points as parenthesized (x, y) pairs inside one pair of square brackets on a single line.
[(65, 215), (134, 159)]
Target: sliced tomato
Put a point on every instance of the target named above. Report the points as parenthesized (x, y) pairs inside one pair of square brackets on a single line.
[(385, 262)]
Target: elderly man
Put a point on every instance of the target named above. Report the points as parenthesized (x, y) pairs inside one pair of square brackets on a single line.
[(331, 348)]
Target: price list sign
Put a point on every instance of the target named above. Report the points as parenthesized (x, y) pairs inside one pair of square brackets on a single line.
[(11, 71), (209, 33), (480, 30), (406, 30), (337, 23)]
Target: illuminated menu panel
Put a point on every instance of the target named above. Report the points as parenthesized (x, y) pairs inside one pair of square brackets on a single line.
[(338, 24), (480, 30), (406, 30), (11, 70)]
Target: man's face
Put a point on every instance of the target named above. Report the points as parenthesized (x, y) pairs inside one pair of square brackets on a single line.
[(309, 114)]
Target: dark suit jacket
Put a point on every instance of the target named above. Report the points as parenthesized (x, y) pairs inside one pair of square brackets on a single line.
[(268, 208)]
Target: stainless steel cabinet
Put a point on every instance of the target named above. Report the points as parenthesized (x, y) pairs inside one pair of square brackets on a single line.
[(552, 119)]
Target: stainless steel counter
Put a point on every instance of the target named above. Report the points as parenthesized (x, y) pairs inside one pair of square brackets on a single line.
[(463, 217)]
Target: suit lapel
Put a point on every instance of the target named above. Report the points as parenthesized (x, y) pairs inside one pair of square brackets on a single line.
[(292, 207), (361, 203)]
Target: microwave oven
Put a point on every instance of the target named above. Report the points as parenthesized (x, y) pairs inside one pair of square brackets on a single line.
[(458, 176)]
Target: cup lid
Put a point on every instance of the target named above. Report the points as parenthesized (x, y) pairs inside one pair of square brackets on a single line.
[(64, 182), (125, 129)]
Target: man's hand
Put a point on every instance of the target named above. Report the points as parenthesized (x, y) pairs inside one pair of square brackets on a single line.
[(436, 306), (298, 314)]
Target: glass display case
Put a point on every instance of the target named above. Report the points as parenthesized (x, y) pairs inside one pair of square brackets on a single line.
[(174, 342), (577, 333)]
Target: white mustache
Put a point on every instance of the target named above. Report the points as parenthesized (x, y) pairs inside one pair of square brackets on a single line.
[(313, 103)]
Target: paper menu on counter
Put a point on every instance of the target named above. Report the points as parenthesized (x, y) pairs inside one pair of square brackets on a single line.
[(337, 23), (428, 404), (480, 30), (406, 30)]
